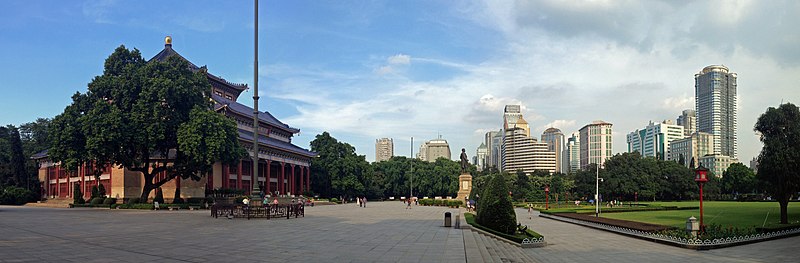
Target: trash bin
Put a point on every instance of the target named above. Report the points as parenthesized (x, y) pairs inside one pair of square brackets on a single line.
[(447, 219)]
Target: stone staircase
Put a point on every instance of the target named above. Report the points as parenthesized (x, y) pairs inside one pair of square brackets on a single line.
[(57, 203), (483, 248)]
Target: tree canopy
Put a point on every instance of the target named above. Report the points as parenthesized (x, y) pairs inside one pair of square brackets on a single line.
[(139, 114), (779, 160)]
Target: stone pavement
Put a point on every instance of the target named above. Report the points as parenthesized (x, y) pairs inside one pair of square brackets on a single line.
[(572, 243), (382, 232)]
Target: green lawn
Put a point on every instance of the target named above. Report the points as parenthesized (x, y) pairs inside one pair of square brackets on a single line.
[(737, 214)]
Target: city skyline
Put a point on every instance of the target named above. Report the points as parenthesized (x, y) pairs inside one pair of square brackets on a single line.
[(366, 70)]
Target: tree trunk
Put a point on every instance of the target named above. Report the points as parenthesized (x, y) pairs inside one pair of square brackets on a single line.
[(784, 213), (147, 188)]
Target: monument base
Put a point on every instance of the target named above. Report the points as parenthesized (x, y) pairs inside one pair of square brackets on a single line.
[(464, 187)]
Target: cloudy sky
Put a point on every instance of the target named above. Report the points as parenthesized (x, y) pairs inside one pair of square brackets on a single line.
[(363, 70)]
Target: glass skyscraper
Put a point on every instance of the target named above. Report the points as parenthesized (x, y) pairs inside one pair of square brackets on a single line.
[(715, 91)]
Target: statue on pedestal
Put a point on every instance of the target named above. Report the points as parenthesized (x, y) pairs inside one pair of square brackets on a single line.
[(464, 161)]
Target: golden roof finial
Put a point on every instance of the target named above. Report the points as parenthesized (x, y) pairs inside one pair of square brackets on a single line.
[(168, 40)]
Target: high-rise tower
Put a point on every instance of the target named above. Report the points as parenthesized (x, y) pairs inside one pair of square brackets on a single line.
[(384, 149), (715, 91)]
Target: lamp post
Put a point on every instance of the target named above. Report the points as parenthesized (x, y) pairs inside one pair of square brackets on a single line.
[(547, 197), (701, 178), (597, 190), (636, 198), (255, 188)]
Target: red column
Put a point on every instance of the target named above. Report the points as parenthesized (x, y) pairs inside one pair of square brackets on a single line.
[(226, 173), (239, 176), (302, 178), (82, 172), (291, 180), (308, 177), (266, 183), (281, 186)]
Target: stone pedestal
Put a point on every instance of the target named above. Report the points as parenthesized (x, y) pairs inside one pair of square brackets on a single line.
[(464, 187)]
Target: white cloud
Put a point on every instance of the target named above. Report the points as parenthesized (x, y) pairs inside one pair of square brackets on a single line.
[(399, 59), (626, 63), (564, 125)]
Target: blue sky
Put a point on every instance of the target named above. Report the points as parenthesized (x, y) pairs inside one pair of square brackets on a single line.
[(363, 70)]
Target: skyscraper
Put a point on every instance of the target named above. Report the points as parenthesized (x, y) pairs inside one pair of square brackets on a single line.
[(384, 149), (521, 152), (512, 114), (688, 119), (694, 147), (492, 153), (595, 143), (574, 152), (480, 157), (715, 91), (555, 143), (434, 149), (654, 139)]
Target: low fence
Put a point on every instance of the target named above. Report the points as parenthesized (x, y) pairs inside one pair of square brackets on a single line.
[(699, 244)]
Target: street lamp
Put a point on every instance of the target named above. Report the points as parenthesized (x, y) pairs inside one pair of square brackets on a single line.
[(547, 197), (597, 190), (701, 178)]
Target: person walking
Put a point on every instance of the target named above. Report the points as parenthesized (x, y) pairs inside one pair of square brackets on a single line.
[(408, 203), (530, 212), (364, 201)]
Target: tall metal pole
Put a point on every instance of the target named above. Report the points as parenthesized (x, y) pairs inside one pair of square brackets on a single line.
[(256, 193), (597, 191), (411, 191)]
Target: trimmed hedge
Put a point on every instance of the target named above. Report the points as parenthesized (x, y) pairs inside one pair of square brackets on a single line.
[(97, 200), (495, 210), (132, 206), (517, 237), (77, 195), (110, 201)]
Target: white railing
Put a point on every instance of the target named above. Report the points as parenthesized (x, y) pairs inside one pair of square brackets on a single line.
[(695, 243)]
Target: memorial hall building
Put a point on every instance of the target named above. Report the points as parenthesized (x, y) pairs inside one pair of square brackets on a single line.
[(284, 167)]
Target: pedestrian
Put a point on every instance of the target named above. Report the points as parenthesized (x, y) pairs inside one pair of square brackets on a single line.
[(358, 200), (408, 206), (530, 212), (364, 201)]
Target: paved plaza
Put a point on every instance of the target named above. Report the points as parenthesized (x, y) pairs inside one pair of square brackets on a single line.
[(381, 232)]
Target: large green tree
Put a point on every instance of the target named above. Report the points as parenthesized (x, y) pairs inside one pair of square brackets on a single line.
[(147, 117), (339, 171), (779, 160), (738, 179), (12, 159)]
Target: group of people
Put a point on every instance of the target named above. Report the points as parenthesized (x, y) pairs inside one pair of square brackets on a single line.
[(362, 201)]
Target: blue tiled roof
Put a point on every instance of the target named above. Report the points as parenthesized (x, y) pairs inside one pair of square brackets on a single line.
[(277, 144), (247, 111), (39, 155)]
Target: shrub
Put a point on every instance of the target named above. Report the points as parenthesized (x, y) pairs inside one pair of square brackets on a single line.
[(101, 191), (13, 195), (159, 196), (494, 207), (95, 192), (334, 200), (97, 200), (134, 200), (110, 201), (178, 201), (77, 195), (195, 200)]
